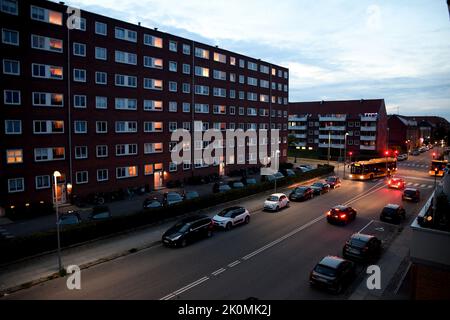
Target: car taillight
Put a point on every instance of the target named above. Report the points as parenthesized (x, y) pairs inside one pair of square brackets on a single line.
[(399, 184), (389, 182), (329, 213), (342, 216)]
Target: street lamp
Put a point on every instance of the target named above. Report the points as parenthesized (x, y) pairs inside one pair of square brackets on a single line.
[(329, 146), (277, 154), (387, 154), (345, 152), (56, 175)]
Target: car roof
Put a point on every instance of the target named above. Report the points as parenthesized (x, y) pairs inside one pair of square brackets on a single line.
[(411, 189), (340, 207), (331, 261), (277, 195), (396, 178), (392, 206), (362, 237), (232, 208)]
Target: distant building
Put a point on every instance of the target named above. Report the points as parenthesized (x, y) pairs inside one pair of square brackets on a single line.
[(319, 125), (404, 133)]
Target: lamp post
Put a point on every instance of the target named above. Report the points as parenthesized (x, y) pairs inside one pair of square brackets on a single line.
[(387, 154), (345, 153), (56, 175), (277, 154), (329, 146)]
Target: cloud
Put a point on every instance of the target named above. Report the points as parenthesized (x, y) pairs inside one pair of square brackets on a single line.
[(373, 17)]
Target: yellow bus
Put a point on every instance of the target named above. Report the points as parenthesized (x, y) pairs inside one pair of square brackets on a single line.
[(438, 167), (374, 168)]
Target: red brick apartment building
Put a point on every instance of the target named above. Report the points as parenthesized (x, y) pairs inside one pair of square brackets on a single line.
[(317, 125), (99, 103)]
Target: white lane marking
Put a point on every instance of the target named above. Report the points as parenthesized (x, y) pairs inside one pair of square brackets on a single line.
[(189, 286), (415, 178), (423, 185), (235, 263), (409, 183), (217, 272), (429, 187), (371, 221), (416, 184)]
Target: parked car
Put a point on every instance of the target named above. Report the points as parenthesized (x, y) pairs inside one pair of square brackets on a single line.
[(152, 203), (362, 247), (393, 213), (289, 173), (402, 157), (333, 181), (273, 177), (396, 183), (249, 181), (70, 218), (301, 194), (411, 194), (100, 213), (303, 169), (191, 195), (276, 201), (333, 273), (231, 217), (415, 153), (320, 188), (188, 230), (171, 198), (217, 185), (224, 188), (236, 185), (341, 214)]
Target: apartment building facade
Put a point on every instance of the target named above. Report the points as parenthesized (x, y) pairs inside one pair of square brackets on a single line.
[(99, 103), (357, 127), (404, 133)]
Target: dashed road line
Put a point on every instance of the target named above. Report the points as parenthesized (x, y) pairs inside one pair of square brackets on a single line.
[(219, 271), (185, 288), (235, 263)]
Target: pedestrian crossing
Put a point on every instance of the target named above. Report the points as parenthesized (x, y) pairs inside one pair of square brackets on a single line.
[(418, 185)]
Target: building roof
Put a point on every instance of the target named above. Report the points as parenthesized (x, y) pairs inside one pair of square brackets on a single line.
[(350, 107), (407, 121), (432, 120)]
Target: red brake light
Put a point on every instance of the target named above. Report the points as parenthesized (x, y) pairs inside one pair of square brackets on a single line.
[(389, 182), (342, 216)]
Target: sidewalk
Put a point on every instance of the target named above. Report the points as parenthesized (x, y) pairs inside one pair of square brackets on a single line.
[(41, 268)]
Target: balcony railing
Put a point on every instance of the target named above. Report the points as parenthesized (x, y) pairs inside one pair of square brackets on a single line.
[(297, 128), (368, 138), (299, 136), (333, 137), (369, 129), (332, 118), (298, 118), (363, 147), (333, 146), (299, 144), (370, 118), (332, 128)]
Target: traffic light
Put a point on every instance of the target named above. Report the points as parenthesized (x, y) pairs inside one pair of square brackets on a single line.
[(434, 155), (350, 153), (386, 153)]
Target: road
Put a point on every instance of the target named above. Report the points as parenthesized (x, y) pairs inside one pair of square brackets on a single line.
[(270, 258)]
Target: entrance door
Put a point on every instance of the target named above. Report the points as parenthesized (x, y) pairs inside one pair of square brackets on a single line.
[(222, 169), (158, 180), (61, 194)]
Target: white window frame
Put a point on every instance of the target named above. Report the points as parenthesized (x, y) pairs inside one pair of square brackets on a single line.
[(97, 24), (17, 33), (78, 45), (47, 41), (103, 178), (101, 147), (13, 132), (75, 126), (101, 50), (81, 71), (78, 97), (77, 175), (82, 154), (10, 190), (12, 93), (11, 61), (48, 185), (126, 36)]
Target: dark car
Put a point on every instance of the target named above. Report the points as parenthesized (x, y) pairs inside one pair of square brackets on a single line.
[(249, 181), (333, 181), (152, 203), (217, 185), (301, 194), (411, 194), (288, 173), (320, 188), (171, 198), (236, 185), (191, 195), (100, 213), (333, 273), (341, 214), (362, 247), (396, 183), (70, 218), (188, 230), (393, 213), (415, 153)]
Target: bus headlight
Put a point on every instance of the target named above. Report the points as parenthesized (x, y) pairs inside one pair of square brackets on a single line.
[(361, 177), (350, 175)]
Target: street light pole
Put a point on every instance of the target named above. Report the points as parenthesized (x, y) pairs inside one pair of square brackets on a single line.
[(329, 146), (277, 153), (56, 175), (345, 152)]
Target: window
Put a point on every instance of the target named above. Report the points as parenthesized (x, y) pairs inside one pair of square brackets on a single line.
[(81, 152), (46, 71), (16, 185), (125, 34), (45, 15), (187, 126), (101, 126), (201, 72), (14, 156), (172, 66), (186, 87), (219, 75), (126, 149), (155, 63), (79, 75), (173, 107), (202, 90), (126, 126), (252, 66), (201, 53), (126, 104), (186, 165), (9, 7), (153, 148), (153, 126), (126, 81), (220, 92), (172, 86), (263, 98), (274, 72), (241, 63), (153, 105), (252, 112), (218, 57), (173, 46), (264, 83), (173, 126), (11, 97), (101, 78), (13, 126), (10, 37), (241, 111), (172, 146), (186, 68), (101, 102), (219, 109), (252, 81), (126, 172), (233, 77), (80, 126), (173, 167), (186, 107), (153, 84), (232, 110), (46, 43), (201, 108), (125, 57), (42, 182), (49, 154), (186, 49), (102, 151), (264, 69), (102, 175), (148, 169), (48, 126), (81, 177), (232, 94), (101, 28), (100, 53), (79, 101), (11, 67), (48, 99), (153, 41), (241, 79), (252, 96), (79, 49)]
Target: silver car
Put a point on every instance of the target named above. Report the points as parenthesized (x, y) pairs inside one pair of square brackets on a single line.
[(231, 217)]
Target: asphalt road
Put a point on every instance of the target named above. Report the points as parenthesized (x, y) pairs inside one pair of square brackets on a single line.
[(270, 258)]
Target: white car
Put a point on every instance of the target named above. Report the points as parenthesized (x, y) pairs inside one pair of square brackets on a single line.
[(402, 157), (276, 202), (231, 217)]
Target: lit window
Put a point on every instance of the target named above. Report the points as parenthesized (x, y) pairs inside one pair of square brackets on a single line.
[(14, 156), (45, 15), (153, 41)]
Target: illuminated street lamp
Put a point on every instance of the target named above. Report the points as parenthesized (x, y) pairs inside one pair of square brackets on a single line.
[(386, 154), (56, 175)]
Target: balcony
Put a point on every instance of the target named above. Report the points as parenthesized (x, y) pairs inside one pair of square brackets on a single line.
[(371, 148), (368, 129), (368, 138), (332, 146), (369, 118), (298, 118), (299, 144), (333, 118), (299, 136), (297, 128), (333, 137), (332, 128)]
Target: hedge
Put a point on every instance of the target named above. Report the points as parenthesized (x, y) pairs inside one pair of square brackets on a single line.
[(26, 246)]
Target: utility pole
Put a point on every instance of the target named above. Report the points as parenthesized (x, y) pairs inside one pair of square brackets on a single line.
[(329, 146)]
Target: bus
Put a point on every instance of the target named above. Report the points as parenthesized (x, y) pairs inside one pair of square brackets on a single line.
[(438, 167), (374, 168)]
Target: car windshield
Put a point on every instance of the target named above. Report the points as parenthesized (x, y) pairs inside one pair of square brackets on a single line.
[(154, 204), (251, 181), (410, 192), (357, 243), (180, 227), (192, 194), (69, 220), (224, 188), (331, 179), (173, 197), (272, 198), (389, 211), (300, 190), (102, 215), (317, 184), (325, 270), (226, 213)]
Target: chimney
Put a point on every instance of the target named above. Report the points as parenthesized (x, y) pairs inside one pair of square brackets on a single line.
[(156, 29), (139, 24)]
